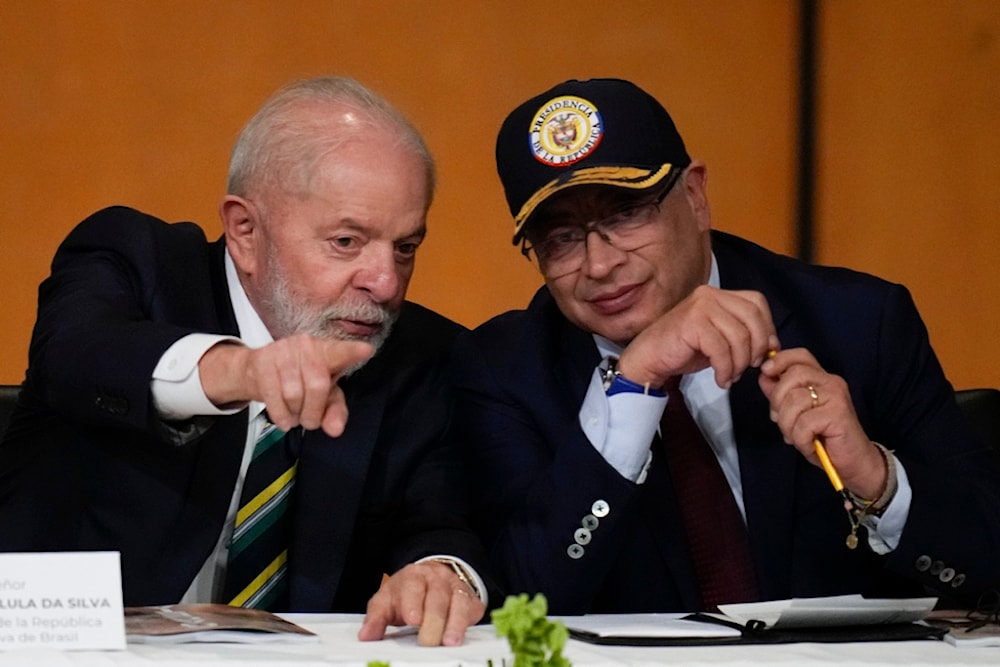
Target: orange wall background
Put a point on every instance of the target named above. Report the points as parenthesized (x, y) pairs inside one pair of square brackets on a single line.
[(909, 143), (120, 102)]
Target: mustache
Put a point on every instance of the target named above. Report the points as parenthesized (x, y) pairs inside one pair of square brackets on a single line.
[(372, 314), (366, 312)]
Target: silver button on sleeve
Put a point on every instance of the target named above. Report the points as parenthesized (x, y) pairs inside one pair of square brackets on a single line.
[(600, 509)]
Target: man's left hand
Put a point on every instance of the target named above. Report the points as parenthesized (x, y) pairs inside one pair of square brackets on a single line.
[(428, 595), (809, 403)]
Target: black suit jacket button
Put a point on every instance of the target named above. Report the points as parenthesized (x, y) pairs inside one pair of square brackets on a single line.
[(582, 536), (936, 567), (575, 551), (923, 563), (947, 574), (590, 522), (958, 580)]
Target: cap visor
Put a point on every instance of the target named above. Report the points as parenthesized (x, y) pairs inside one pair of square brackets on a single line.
[(636, 178)]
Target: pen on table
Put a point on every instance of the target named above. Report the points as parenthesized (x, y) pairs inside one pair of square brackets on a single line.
[(824, 459)]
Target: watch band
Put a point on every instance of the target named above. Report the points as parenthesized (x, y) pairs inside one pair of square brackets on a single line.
[(461, 573), (616, 383)]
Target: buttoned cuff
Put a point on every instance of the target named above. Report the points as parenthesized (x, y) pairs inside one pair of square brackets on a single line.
[(176, 385), (621, 427)]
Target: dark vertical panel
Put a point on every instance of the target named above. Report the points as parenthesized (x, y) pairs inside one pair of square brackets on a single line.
[(806, 171)]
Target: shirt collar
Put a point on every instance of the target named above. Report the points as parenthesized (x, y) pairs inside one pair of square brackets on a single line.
[(252, 331)]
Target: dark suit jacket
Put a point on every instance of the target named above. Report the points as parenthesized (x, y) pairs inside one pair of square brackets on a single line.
[(524, 374), (88, 465)]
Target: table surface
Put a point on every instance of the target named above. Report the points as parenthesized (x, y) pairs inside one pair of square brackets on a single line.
[(338, 645)]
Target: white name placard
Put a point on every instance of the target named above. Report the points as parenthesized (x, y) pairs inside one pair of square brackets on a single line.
[(61, 601)]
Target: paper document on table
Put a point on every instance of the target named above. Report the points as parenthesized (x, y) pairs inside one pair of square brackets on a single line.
[(213, 623), (841, 610), (644, 625), (849, 618), (984, 635)]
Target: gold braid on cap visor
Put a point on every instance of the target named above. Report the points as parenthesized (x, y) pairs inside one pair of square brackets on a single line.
[(622, 177)]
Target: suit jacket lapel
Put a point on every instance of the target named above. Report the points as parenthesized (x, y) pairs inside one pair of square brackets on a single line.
[(218, 453), (662, 515), (767, 464), (329, 486), (767, 470), (579, 347)]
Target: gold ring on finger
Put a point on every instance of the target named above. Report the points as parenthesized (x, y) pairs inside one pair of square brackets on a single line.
[(813, 395)]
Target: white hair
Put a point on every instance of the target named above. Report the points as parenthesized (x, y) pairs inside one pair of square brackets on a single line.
[(280, 146)]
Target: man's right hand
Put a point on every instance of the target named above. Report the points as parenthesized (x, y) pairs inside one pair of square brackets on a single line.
[(727, 330), (295, 377)]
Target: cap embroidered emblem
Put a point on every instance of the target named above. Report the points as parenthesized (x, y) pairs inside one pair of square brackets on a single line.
[(566, 129)]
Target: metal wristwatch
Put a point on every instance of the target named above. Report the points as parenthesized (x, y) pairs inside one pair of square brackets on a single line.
[(616, 383), (609, 374)]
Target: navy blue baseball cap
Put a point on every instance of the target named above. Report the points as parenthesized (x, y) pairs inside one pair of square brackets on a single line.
[(594, 132)]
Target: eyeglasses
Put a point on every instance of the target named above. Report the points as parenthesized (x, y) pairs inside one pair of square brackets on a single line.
[(984, 617), (986, 612), (562, 249)]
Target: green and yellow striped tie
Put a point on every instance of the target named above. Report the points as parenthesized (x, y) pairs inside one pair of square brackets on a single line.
[(258, 551)]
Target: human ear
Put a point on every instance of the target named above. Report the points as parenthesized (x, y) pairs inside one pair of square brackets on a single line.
[(695, 186), (240, 225)]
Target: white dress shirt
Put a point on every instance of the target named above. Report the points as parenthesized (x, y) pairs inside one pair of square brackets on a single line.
[(622, 427)]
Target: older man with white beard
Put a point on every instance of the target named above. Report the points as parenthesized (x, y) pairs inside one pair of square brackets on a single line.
[(186, 402)]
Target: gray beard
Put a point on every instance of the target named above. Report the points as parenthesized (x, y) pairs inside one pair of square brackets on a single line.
[(289, 318)]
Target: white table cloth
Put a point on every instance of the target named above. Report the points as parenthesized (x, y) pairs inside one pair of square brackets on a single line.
[(338, 645)]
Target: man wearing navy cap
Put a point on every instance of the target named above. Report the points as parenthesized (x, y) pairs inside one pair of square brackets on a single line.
[(650, 429)]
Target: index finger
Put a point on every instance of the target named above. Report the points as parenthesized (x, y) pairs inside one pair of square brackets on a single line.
[(760, 324), (778, 362)]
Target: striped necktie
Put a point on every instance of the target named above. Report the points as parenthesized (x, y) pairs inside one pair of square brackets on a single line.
[(258, 551)]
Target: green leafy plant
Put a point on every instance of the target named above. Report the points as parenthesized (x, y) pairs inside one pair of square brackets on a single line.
[(534, 640)]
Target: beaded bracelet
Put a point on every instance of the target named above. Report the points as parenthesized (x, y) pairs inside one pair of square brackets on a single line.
[(877, 506)]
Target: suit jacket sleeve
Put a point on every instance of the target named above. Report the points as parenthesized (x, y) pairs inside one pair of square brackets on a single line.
[(951, 541), (115, 301), (88, 452)]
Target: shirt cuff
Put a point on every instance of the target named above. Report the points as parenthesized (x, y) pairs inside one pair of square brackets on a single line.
[(621, 427), (176, 385), (885, 531), (465, 572)]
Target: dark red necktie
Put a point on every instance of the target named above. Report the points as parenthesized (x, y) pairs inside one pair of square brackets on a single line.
[(716, 534)]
